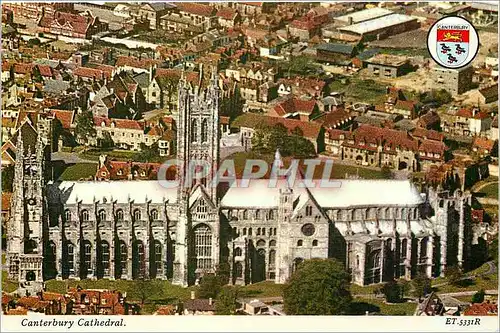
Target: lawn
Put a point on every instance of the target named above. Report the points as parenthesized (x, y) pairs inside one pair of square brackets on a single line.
[(79, 171), (338, 171), (262, 289), (123, 155), (360, 90), (490, 191), (484, 282), (364, 290), (361, 305), (7, 285)]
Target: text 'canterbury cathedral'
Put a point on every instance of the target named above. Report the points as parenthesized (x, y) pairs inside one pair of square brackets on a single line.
[(138, 229)]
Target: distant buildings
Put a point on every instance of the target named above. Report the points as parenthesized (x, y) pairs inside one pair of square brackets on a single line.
[(455, 81), (385, 65)]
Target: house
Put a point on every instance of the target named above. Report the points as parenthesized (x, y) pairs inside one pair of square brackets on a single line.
[(252, 8), (482, 309), (228, 17), (456, 81), (166, 143), (247, 123), (100, 302), (337, 119), (304, 29), (335, 53), (332, 102), (430, 120), (375, 146), (488, 94), (386, 65), (198, 306), (193, 18), (136, 65), (125, 170), (468, 122), (153, 11), (299, 86), (82, 25), (482, 146), (294, 108)]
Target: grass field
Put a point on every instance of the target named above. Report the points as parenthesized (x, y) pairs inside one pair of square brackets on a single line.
[(490, 191), (360, 90), (122, 155), (484, 282), (338, 171), (360, 305), (78, 171)]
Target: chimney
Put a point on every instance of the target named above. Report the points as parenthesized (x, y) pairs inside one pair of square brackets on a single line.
[(210, 301), (193, 295)]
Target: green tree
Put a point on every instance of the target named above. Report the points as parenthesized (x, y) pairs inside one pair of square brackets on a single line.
[(146, 289), (147, 153), (107, 141), (392, 292), (85, 127), (210, 286), (478, 297), (223, 272), (404, 286), (226, 301), (318, 287), (421, 285), (7, 178), (386, 172), (453, 275), (299, 147)]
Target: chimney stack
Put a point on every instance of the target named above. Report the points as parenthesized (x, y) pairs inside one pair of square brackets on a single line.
[(193, 295)]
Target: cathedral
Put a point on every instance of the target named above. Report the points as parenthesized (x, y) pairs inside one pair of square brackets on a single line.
[(138, 229)]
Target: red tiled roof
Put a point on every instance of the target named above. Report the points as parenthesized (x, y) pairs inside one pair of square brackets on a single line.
[(226, 13), (50, 296), (66, 117), (6, 298), (6, 197), (295, 105), (32, 302), (405, 105), (305, 24), (336, 134), (199, 305), (310, 130), (483, 143), (334, 118), (482, 309), (90, 73), (391, 139), (21, 68), (434, 147), (166, 310), (420, 132), (79, 23), (45, 70), (135, 62), (196, 8), (468, 113), (119, 123), (312, 86), (155, 131)]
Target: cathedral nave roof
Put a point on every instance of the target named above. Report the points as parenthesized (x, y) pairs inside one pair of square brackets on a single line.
[(120, 191)]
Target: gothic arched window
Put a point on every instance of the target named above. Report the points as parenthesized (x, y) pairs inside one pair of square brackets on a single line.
[(67, 215), (245, 214), (272, 257), (272, 243), (105, 256), (154, 214), (299, 243), (85, 215), (238, 270), (119, 215), (102, 215), (309, 210), (204, 130), (404, 244), (339, 215), (203, 246), (257, 214), (270, 215), (137, 214), (70, 259), (238, 252), (194, 130), (315, 243), (158, 250)]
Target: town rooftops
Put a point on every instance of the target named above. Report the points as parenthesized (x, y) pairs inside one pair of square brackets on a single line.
[(364, 15), (336, 48), (388, 60), (199, 304), (377, 24), (196, 9), (482, 309)]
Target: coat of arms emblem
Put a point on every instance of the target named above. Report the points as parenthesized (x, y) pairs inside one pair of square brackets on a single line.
[(453, 42)]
